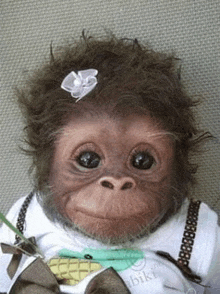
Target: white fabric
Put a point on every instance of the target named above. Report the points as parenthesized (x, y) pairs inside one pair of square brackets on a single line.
[(79, 85), (153, 274)]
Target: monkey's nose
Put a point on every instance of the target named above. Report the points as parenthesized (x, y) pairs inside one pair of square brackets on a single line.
[(117, 184)]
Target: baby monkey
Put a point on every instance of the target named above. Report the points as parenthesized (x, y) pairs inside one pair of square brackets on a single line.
[(111, 133)]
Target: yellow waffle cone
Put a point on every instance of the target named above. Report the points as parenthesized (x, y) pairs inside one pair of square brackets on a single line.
[(72, 270)]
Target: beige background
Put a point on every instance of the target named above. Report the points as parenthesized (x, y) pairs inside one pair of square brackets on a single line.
[(190, 28)]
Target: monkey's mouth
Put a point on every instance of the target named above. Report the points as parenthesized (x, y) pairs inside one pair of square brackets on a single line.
[(137, 215)]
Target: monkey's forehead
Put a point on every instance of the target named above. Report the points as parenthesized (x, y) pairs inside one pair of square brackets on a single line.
[(106, 125)]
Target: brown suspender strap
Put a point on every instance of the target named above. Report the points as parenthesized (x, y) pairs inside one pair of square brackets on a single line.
[(187, 243), (22, 215), (189, 232)]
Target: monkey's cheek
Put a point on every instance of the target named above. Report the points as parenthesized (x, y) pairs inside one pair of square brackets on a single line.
[(110, 228)]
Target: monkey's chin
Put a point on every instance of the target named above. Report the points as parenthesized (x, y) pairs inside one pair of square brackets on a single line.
[(113, 231)]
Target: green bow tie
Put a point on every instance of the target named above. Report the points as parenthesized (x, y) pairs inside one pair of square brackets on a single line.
[(119, 259)]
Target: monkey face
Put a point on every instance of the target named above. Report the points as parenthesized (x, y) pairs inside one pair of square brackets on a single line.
[(112, 177)]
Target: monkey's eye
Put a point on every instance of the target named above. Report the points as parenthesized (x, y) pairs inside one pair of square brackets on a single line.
[(88, 159), (142, 160)]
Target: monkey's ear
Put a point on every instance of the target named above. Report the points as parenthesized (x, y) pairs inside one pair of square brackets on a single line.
[(107, 282)]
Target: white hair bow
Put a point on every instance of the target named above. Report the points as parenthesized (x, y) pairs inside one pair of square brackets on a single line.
[(81, 83)]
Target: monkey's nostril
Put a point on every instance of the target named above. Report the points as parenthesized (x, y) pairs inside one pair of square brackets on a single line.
[(107, 184), (127, 185)]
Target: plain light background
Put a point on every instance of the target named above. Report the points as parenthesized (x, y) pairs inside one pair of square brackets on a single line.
[(190, 28)]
